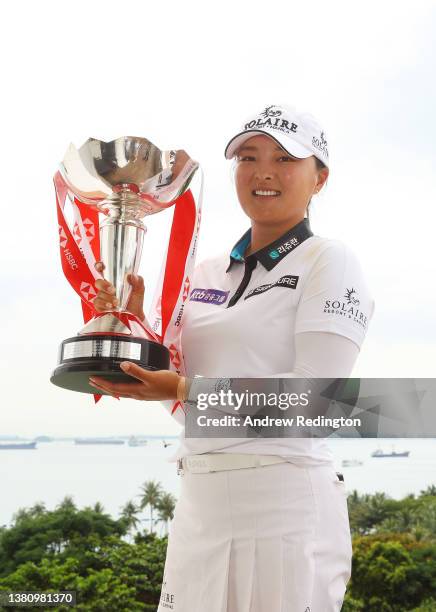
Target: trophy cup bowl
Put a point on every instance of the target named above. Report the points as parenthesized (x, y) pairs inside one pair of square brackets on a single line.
[(125, 179)]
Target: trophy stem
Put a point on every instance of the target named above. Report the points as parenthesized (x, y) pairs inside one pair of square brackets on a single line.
[(121, 239)]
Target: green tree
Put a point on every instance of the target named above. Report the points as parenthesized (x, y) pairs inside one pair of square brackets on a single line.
[(67, 503), (415, 516), (115, 576), (394, 546), (430, 490), (150, 496), (165, 507), (129, 514), (366, 511), (391, 573), (428, 605), (36, 534), (98, 508), (426, 516)]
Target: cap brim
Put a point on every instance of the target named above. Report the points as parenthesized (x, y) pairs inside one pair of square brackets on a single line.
[(290, 146)]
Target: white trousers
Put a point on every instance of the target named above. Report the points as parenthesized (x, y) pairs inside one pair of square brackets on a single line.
[(268, 539)]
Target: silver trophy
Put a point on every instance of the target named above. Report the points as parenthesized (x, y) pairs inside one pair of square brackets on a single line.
[(125, 179)]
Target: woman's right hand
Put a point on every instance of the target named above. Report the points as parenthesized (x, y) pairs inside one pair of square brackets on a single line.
[(105, 300)]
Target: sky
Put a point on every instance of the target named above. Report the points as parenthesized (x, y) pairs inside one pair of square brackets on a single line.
[(186, 75)]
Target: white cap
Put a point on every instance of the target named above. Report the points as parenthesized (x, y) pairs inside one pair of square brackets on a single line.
[(299, 134)]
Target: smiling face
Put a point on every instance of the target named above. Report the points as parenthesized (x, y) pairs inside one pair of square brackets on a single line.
[(273, 187)]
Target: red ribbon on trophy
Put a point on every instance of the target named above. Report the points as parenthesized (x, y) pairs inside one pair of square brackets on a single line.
[(172, 289), (80, 250)]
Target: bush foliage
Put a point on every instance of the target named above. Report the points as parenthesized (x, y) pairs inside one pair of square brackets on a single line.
[(115, 564)]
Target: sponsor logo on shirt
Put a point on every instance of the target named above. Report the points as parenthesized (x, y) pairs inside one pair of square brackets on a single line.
[(348, 307), (350, 295), (288, 281), (167, 600), (284, 248), (209, 296)]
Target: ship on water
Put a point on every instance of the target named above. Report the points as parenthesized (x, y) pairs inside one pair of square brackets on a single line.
[(17, 445), (97, 441), (134, 441), (380, 453), (351, 462)]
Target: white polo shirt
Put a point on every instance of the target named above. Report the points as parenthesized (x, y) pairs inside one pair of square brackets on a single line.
[(243, 313)]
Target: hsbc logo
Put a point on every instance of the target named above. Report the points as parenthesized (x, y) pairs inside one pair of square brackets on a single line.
[(70, 259), (87, 291), (186, 287), (179, 316), (175, 357), (89, 228), (62, 237), (76, 234)]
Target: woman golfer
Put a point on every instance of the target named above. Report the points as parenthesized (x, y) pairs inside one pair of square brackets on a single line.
[(261, 524)]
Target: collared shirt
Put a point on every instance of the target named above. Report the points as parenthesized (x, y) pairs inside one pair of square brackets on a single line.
[(270, 255), (243, 313)]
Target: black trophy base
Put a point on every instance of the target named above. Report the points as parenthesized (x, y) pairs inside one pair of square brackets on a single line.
[(100, 355)]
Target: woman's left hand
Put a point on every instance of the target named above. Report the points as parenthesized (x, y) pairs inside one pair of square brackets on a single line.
[(159, 385)]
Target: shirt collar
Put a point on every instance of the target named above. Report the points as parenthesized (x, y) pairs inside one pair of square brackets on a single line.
[(271, 254)]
